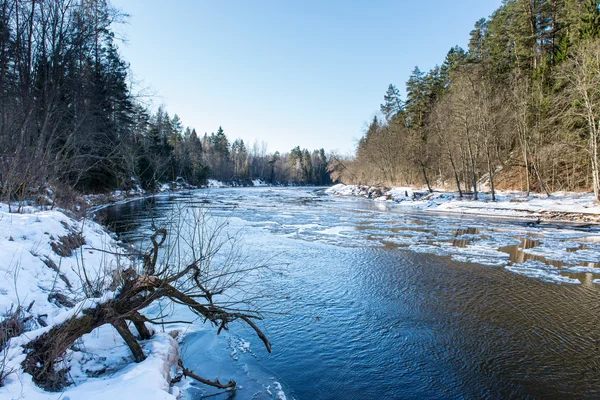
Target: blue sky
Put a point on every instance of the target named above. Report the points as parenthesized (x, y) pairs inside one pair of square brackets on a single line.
[(307, 73)]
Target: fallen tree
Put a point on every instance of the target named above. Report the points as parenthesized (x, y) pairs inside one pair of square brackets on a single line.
[(197, 284)]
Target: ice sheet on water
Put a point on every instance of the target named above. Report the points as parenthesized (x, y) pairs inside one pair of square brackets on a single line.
[(415, 234), (231, 357), (469, 254), (360, 224), (468, 236), (402, 240), (582, 269), (541, 271), (491, 262), (430, 249), (336, 230), (559, 251), (279, 391), (498, 241), (475, 250)]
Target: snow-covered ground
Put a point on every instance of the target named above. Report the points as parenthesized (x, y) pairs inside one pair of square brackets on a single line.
[(560, 206), (32, 273), (97, 201)]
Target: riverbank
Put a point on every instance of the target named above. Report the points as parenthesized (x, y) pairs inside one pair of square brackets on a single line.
[(46, 256), (575, 208), (95, 202)]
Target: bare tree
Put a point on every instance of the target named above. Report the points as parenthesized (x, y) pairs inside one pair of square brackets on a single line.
[(194, 262), (440, 114), (580, 104)]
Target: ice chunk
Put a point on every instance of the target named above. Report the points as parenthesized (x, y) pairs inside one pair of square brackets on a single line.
[(541, 271)]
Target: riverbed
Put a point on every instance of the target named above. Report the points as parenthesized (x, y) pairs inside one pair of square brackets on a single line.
[(369, 301)]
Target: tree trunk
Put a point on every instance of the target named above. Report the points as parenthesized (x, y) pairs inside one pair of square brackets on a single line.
[(472, 159), (491, 172), (460, 193), (526, 161), (44, 351), (121, 327), (139, 323), (540, 180), (424, 171), (593, 128)]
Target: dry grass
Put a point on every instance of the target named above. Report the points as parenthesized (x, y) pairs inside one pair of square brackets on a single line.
[(65, 245)]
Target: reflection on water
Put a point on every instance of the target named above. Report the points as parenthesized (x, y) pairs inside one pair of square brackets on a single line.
[(399, 316), (463, 237), (518, 255)]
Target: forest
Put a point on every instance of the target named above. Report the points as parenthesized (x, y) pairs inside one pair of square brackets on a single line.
[(517, 110), (70, 121)]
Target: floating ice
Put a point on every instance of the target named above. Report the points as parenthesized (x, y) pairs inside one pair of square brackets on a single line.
[(582, 269), (430, 249), (279, 391), (541, 271), (559, 251), (336, 230)]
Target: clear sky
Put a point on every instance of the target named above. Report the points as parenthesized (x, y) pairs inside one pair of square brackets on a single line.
[(304, 72)]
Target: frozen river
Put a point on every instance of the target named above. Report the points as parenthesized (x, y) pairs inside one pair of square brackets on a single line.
[(375, 303)]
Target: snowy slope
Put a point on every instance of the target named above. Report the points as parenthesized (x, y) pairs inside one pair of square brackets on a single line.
[(31, 271)]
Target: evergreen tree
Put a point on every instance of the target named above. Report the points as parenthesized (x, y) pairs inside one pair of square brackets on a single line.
[(392, 103), (416, 98)]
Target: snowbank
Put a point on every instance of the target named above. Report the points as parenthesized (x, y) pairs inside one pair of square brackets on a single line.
[(560, 206), (259, 182), (33, 271), (213, 183)]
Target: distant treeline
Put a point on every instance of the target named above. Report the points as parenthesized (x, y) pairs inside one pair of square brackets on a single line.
[(520, 109), (165, 151), (69, 121)]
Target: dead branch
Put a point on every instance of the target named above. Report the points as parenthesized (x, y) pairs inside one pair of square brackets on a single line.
[(186, 372), (186, 286)]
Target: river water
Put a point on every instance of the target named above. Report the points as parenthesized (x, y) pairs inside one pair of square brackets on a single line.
[(372, 302)]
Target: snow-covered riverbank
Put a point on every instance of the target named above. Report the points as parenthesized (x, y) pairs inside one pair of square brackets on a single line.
[(45, 255), (96, 202), (561, 206)]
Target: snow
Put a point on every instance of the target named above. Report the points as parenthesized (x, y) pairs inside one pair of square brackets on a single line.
[(259, 183), (26, 248), (213, 183), (165, 187), (146, 380), (101, 365), (507, 204)]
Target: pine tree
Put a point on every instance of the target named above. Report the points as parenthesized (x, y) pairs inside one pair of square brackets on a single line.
[(477, 51), (456, 56), (392, 103), (416, 98)]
